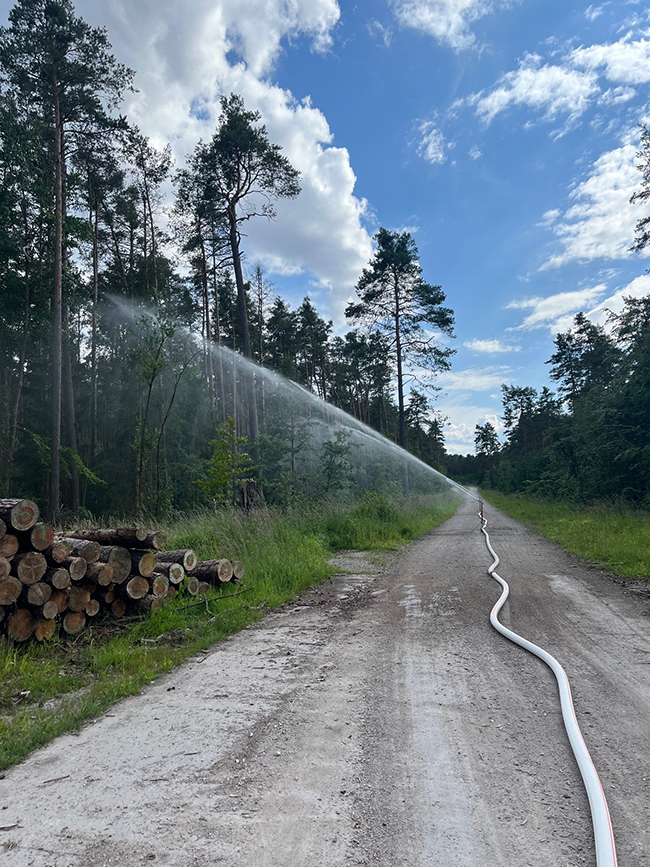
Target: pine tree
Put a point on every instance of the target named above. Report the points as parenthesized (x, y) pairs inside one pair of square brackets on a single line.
[(397, 302)]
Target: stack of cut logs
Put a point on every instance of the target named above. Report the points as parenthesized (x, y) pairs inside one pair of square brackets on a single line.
[(74, 576)]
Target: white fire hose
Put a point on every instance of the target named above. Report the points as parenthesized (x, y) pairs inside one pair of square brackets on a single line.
[(603, 834)]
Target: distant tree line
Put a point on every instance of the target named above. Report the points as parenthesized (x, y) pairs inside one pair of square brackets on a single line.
[(591, 439), (111, 389)]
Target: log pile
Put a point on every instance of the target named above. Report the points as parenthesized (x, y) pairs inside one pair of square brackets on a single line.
[(67, 580)]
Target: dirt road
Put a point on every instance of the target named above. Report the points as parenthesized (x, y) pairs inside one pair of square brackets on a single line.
[(379, 720)]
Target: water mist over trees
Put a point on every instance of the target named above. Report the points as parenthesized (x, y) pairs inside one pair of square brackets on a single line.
[(122, 383)]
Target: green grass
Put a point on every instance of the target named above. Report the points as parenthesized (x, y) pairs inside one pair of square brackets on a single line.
[(48, 689), (613, 537)]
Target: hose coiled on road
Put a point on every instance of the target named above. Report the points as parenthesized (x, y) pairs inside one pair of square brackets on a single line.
[(603, 833)]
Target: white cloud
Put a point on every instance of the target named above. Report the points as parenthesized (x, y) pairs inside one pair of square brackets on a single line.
[(432, 145), (616, 96), (625, 61), (638, 288), (593, 12), (448, 21), (475, 153), (601, 223), (549, 312), (491, 347), (463, 418), (551, 89), (187, 54), (473, 379), (385, 34), (549, 217)]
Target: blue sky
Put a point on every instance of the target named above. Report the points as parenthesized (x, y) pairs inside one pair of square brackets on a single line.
[(502, 134)]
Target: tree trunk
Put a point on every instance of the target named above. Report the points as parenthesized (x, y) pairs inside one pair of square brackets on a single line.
[(213, 571), (206, 317), (400, 394), (253, 430), (186, 557), (127, 537), (71, 425), (90, 551), (120, 559), (15, 408), (93, 341), (57, 306), (174, 571)]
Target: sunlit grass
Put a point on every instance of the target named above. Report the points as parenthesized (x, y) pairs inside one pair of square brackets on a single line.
[(49, 689), (613, 537)]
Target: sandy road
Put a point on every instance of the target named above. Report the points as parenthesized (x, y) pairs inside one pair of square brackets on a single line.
[(378, 720)]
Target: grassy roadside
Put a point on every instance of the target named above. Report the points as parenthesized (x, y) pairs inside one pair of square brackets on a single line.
[(49, 689), (614, 538)]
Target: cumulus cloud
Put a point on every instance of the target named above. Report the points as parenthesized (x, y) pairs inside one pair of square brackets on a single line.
[(463, 418), (637, 288), (491, 347), (187, 55), (625, 61), (552, 89), (570, 85), (475, 153), (551, 312), (431, 145), (601, 223), (448, 21)]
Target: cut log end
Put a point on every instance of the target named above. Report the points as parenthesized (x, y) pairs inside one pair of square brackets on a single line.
[(5, 567), (9, 546), (74, 622), (90, 551), (143, 563), (19, 514), (30, 566), (92, 609), (39, 538), (10, 590), (59, 578), (120, 559), (45, 629), (21, 625), (137, 587), (50, 610), (118, 608), (58, 552), (38, 594)]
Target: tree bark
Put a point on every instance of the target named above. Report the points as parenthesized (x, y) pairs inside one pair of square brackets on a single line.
[(70, 419), (127, 537), (57, 306), (186, 557), (253, 426)]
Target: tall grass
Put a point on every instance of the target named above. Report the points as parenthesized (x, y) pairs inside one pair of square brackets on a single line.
[(610, 536), (46, 690)]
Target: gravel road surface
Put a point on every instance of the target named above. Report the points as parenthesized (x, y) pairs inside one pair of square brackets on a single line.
[(377, 720)]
